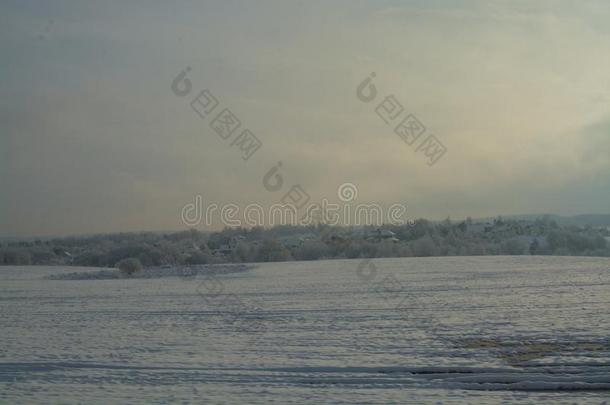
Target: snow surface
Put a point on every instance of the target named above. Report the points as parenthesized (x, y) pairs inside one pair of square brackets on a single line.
[(451, 330)]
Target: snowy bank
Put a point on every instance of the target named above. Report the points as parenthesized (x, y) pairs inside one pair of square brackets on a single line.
[(155, 272)]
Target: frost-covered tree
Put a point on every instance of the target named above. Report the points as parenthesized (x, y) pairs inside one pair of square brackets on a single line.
[(129, 266)]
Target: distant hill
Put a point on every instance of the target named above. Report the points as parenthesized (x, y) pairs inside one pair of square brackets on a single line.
[(580, 220), (587, 219)]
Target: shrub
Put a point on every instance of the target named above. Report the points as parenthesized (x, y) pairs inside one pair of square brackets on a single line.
[(129, 266), (197, 258)]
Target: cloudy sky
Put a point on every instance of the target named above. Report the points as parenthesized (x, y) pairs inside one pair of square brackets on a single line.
[(92, 138)]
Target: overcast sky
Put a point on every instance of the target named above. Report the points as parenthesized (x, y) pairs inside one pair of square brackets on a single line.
[(92, 138)]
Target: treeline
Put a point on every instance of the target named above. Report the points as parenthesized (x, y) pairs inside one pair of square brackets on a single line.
[(283, 243)]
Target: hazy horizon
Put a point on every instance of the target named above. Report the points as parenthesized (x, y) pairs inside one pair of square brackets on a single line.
[(95, 140), (220, 227)]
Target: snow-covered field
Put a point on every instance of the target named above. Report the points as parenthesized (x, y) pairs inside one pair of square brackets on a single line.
[(415, 330)]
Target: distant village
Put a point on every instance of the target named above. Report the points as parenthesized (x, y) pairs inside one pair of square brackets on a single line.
[(540, 236)]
